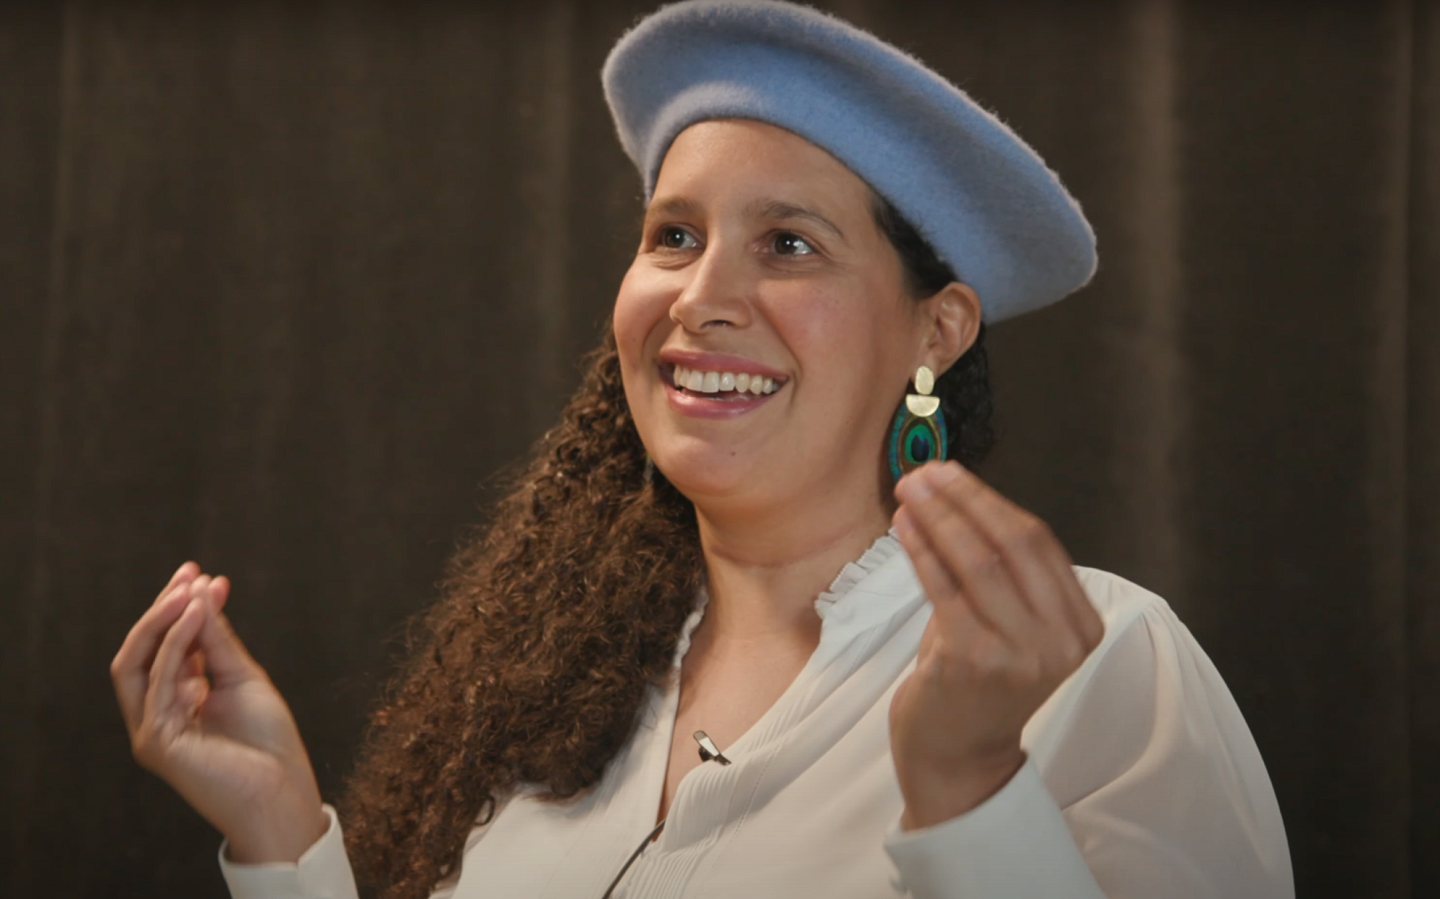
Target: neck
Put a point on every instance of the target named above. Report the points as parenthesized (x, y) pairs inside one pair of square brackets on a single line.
[(764, 572)]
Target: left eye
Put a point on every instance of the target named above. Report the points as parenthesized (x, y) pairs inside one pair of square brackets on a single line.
[(787, 244)]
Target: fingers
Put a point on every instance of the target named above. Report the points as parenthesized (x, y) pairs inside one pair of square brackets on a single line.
[(219, 591), (225, 655), (935, 577), (130, 669), (1034, 557), (1006, 562), (160, 708), (194, 665), (140, 642), (935, 514), (1037, 559), (1001, 638), (190, 695), (187, 572)]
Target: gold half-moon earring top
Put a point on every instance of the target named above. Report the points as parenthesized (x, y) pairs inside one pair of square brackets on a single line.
[(923, 406)]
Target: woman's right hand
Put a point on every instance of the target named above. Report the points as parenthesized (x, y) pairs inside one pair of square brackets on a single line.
[(205, 718)]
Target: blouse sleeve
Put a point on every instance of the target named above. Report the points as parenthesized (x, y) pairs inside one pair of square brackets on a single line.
[(1143, 782), (323, 872)]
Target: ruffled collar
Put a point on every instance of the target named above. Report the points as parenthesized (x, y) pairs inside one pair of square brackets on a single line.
[(688, 628), (886, 547)]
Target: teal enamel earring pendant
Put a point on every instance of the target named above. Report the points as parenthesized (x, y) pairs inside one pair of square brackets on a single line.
[(919, 433)]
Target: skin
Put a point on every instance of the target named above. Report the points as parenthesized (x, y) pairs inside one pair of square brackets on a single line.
[(205, 718), (783, 267)]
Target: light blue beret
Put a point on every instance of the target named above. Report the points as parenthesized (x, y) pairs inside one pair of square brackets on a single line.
[(978, 194)]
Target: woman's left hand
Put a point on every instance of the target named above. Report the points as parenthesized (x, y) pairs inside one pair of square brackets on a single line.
[(1010, 623)]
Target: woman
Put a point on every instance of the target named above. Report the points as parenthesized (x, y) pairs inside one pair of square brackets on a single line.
[(631, 687)]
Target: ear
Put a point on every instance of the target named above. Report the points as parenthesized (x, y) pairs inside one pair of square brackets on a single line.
[(953, 320)]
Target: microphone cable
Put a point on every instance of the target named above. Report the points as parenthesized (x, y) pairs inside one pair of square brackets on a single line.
[(708, 751), (649, 838)]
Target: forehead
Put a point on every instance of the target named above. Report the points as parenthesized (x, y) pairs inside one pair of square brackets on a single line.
[(746, 159)]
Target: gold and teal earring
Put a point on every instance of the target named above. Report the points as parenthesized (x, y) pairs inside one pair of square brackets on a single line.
[(919, 433)]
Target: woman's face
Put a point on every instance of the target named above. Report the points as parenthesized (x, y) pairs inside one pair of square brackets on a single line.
[(765, 334)]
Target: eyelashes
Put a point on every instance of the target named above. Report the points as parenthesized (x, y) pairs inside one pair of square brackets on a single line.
[(793, 242), (777, 243)]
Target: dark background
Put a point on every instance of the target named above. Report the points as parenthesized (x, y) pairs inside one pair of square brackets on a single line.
[(282, 284)]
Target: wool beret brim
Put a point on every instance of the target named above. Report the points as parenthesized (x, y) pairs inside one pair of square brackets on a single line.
[(980, 196)]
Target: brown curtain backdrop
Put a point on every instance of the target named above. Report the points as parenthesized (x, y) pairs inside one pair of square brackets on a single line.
[(283, 286)]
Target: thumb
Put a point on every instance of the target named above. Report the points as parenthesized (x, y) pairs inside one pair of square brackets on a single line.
[(225, 655)]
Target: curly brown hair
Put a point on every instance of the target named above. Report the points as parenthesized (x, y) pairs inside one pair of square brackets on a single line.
[(534, 663)]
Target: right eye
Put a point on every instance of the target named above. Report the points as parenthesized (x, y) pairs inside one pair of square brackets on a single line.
[(673, 238)]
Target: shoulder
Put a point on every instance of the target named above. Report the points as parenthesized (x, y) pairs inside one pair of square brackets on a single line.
[(1142, 632), (1144, 644), (1144, 746), (1144, 638), (1121, 603)]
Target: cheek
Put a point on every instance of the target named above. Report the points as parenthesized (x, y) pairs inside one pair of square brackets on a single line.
[(859, 354), (640, 310), (843, 338)]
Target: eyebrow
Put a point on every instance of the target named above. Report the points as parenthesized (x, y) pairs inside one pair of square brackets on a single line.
[(773, 210), (683, 207), (778, 210)]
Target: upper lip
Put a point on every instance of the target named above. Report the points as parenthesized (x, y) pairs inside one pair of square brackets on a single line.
[(718, 362)]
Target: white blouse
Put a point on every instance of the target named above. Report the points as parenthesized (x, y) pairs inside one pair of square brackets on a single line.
[(1142, 782)]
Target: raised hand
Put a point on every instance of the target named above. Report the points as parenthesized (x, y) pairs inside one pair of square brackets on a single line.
[(1010, 623), (205, 718)]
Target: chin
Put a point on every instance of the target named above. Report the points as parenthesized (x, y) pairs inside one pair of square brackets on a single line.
[(707, 476)]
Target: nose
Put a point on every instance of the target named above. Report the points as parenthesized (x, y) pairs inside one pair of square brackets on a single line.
[(718, 293)]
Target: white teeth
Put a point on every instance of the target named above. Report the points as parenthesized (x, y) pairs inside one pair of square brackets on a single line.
[(722, 381)]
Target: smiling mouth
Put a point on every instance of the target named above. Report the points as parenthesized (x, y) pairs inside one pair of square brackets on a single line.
[(719, 385)]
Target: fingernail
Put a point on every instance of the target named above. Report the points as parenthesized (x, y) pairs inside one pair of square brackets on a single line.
[(912, 488), (942, 474)]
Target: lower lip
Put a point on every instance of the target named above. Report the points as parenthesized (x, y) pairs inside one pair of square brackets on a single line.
[(699, 406)]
